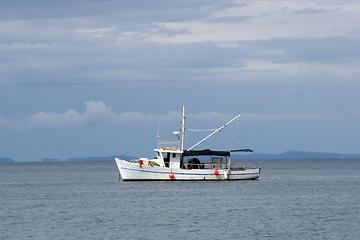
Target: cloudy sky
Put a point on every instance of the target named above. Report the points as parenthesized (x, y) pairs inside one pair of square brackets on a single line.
[(99, 78)]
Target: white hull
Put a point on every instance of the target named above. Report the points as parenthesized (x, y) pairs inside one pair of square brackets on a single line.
[(133, 172)]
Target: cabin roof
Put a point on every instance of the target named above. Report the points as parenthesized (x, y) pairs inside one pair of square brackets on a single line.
[(209, 152)]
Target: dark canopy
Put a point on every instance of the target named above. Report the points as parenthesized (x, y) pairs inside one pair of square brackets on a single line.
[(209, 152), (242, 150)]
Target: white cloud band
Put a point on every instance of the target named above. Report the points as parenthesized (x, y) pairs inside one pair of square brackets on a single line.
[(98, 114)]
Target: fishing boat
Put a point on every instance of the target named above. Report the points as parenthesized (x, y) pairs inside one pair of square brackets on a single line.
[(175, 163)]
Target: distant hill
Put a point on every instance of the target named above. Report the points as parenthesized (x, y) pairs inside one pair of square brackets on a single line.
[(110, 158), (284, 155), (297, 154), (4, 159)]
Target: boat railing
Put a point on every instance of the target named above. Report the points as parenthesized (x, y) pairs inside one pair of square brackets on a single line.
[(204, 166), (200, 165), (233, 167), (134, 160), (243, 166), (168, 143), (137, 160)]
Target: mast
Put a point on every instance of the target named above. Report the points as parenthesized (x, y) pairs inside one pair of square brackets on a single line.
[(215, 131), (183, 129)]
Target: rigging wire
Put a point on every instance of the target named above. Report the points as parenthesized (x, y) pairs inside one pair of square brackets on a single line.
[(203, 130), (237, 123), (146, 140), (201, 122), (216, 137), (200, 130), (221, 133), (225, 133)]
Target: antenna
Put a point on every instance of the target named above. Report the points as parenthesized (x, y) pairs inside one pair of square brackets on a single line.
[(158, 131), (183, 130)]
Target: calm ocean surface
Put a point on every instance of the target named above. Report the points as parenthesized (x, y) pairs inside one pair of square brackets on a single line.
[(293, 199)]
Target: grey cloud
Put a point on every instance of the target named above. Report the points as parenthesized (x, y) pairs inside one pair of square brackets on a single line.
[(309, 11), (136, 11), (55, 63), (81, 44), (229, 19), (307, 49)]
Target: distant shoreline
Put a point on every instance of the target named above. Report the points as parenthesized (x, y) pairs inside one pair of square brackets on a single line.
[(284, 155)]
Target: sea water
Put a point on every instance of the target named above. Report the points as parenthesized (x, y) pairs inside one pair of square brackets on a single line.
[(292, 199)]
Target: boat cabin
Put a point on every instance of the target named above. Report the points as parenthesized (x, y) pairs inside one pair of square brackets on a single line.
[(169, 158)]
